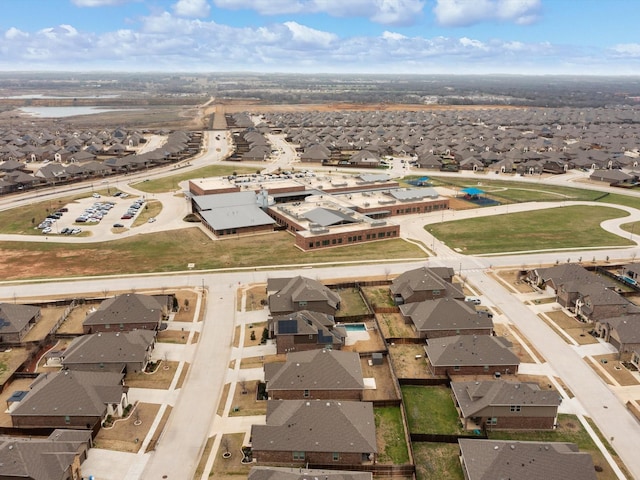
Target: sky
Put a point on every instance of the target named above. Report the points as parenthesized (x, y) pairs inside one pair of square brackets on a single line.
[(594, 37)]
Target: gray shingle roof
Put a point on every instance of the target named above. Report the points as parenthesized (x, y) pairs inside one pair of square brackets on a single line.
[(316, 370), (108, 348), (126, 308), (301, 289), (14, 317), (72, 393), (470, 350), (498, 459), (317, 426), (472, 397), (446, 314)]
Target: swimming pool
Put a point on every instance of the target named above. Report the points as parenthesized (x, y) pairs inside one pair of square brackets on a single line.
[(355, 327)]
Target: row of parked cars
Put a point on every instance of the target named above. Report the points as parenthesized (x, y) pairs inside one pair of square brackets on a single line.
[(46, 226), (133, 209), (95, 212)]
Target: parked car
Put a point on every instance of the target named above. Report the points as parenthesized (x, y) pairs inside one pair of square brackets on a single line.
[(151, 220), (126, 216), (96, 195), (118, 225)]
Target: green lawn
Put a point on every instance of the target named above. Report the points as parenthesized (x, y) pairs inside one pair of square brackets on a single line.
[(173, 250), (167, 184), (431, 410), (563, 227), (390, 436), (437, 461)]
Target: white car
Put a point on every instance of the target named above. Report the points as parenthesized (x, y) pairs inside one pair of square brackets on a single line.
[(151, 220), (46, 230), (96, 195)]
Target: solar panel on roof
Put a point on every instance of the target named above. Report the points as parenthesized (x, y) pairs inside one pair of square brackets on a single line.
[(287, 326)]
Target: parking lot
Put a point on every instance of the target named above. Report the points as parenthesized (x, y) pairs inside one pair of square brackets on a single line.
[(95, 215)]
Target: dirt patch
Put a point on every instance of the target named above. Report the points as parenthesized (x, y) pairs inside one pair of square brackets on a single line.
[(610, 364), (514, 280), (392, 325), (236, 336), (20, 384), (245, 404), (578, 331), (252, 362), (159, 430), (127, 435), (11, 360), (253, 334), (172, 336), (385, 383), (223, 399), (230, 468), (187, 300), (256, 298), (409, 361), (73, 323), (504, 330), (161, 378)]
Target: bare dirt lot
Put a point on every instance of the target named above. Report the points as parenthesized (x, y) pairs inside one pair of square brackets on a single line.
[(127, 435), (409, 361)]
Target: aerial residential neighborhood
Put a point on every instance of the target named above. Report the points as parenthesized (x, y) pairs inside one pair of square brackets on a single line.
[(252, 291)]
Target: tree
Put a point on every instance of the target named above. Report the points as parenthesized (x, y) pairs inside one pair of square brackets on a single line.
[(186, 304), (253, 335)]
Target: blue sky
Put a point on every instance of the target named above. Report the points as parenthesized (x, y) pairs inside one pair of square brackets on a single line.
[(597, 37)]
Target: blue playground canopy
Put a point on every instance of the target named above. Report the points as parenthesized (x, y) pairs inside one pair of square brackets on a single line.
[(472, 191)]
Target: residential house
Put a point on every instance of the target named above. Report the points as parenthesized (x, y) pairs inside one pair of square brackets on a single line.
[(283, 473), (493, 459), (71, 399), (446, 317), (500, 404), (622, 332), (16, 321), (595, 302), (57, 457), (130, 311), (287, 295), (613, 177), (306, 330), (471, 355), (126, 352), (301, 432), (424, 284), (316, 375)]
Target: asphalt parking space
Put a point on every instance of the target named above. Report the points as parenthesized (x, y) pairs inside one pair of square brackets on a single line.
[(95, 206)]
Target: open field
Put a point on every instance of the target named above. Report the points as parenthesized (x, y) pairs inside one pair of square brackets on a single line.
[(170, 183), (437, 460), (569, 430), (171, 251), (535, 230), (515, 192)]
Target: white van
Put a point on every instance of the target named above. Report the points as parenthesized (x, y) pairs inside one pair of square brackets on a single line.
[(474, 300)]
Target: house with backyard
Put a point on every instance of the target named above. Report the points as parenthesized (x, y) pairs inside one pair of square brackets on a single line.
[(306, 330)]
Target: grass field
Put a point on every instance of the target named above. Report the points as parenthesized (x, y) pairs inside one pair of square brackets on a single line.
[(513, 191), (535, 230), (431, 410), (392, 447), (167, 184), (173, 250), (437, 460)]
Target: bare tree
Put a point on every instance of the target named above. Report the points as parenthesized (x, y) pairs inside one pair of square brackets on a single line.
[(243, 386)]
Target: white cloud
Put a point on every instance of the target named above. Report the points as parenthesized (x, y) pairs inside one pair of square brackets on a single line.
[(192, 8), (310, 36), (627, 49), (164, 41), (387, 12), (393, 36), (99, 3), (458, 13)]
